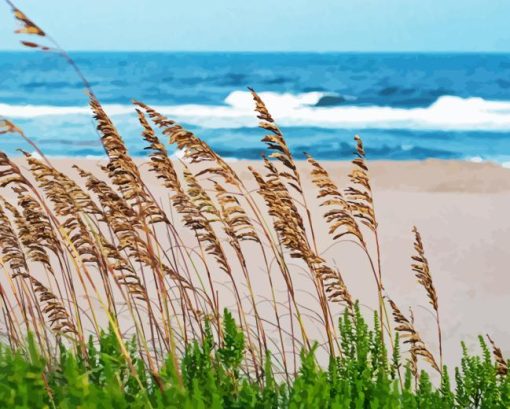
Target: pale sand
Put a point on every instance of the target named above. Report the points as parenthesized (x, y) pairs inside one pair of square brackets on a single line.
[(461, 210)]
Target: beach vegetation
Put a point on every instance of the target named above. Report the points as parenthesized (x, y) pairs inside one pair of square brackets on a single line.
[(115, 295)]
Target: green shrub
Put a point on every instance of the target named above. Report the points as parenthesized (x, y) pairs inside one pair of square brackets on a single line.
[(210, 376)]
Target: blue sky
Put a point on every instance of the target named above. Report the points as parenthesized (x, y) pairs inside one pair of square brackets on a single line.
[(268, 25)]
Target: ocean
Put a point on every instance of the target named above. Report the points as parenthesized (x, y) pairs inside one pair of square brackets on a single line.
[(405, 106)]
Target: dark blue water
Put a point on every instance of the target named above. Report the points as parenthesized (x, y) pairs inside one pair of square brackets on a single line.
[(405, 106)]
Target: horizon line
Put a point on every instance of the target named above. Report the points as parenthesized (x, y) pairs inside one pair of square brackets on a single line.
[(23, 50)]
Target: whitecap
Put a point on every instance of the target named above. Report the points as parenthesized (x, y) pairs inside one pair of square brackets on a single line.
[(447, 113)]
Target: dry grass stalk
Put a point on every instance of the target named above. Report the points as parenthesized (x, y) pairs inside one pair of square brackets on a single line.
[(413, 359), (30, 238), (162, 166), (69, 202), (501, 363), (287, 221), (194, 219), (112, 204), (290, 229), (160, 163), (44, 237), (195, 150), (276, 143), (334, 284), (191, 205), (38, 220), (10, 173), (27, 25), (10, 246), (237, 224), (203, 206), (124, 274), (58, 317), (14, 258), (421, 269), (82, 241), (359, 194), (282, 153), (67, 197), (12, 324), (122, 221), (238, 228), (7, 126), (121, 168), (408, 332), (291, 232), (40, 230), (339, 218), (200, 197)]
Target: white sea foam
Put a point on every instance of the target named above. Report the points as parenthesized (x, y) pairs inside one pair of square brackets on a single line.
[(476, 159), (34, 111), (446, 113)]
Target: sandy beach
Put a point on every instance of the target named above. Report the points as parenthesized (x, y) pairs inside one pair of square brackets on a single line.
[(460, 208)]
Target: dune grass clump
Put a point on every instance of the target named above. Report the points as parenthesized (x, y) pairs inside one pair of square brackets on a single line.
[(114, 294)]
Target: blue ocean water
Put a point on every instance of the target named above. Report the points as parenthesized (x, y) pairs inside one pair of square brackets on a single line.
[(405, 106)]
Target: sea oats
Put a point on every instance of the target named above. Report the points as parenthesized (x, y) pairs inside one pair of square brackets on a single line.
[(501, 363), (408, 332), (339, 216)]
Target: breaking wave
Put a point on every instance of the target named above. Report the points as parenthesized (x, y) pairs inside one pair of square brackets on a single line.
[(447, 113)]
